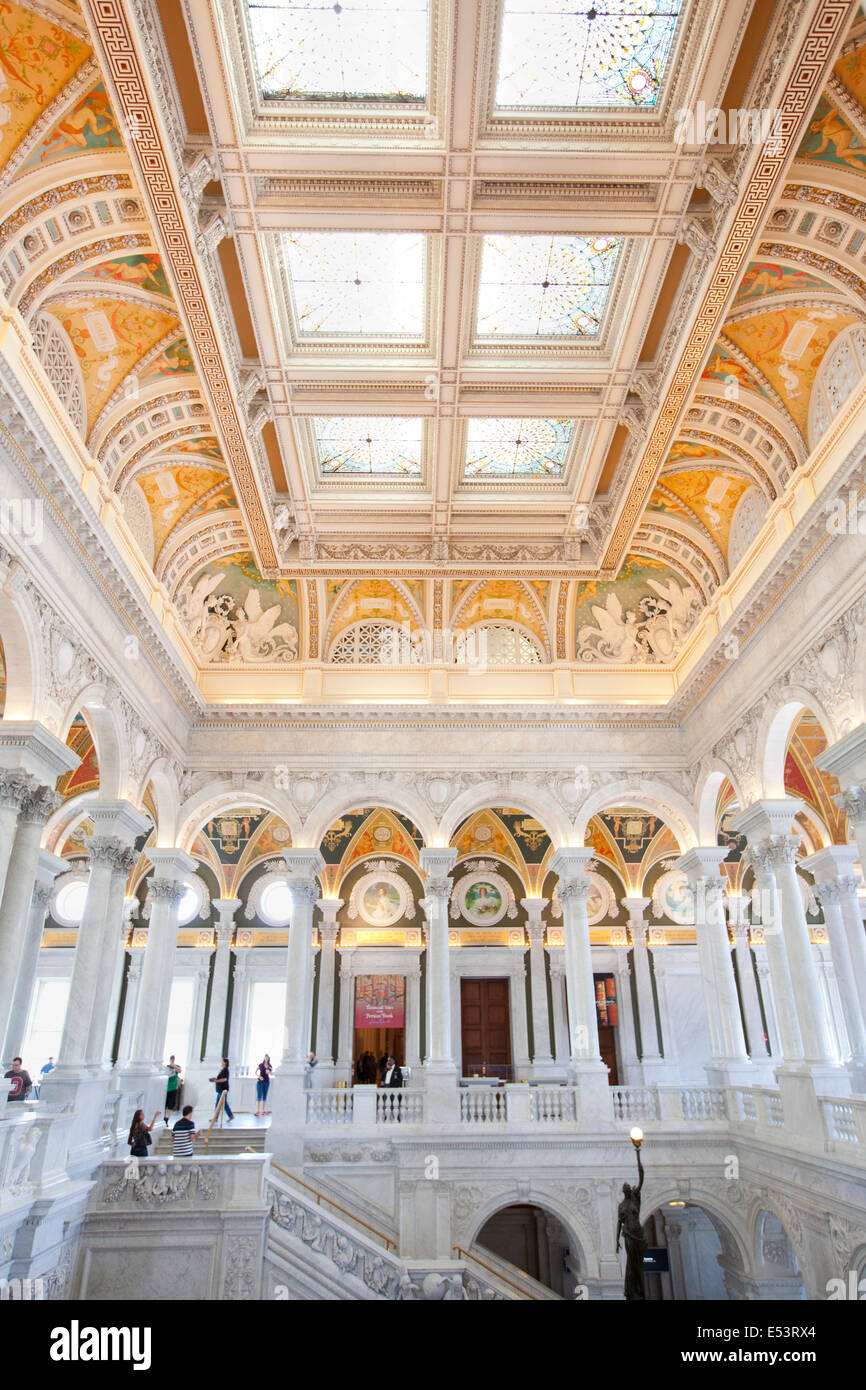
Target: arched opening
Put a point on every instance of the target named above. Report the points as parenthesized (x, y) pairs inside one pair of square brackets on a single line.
[(776, 1264), (535, 1241), (686, 1249)]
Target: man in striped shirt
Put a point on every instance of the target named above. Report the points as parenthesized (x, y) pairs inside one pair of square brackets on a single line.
[(183, 1133)]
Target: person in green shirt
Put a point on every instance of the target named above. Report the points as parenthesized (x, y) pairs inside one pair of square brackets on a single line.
[(172, 1089)]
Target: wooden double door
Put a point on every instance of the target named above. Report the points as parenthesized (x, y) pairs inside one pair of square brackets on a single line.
[(485, 1028)]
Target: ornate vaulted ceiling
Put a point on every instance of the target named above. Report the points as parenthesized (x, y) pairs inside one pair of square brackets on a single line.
[(440, 320)]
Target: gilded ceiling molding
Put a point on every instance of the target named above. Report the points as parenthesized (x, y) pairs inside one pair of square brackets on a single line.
[(704, 401), (45, 203), (466, 600), (198, 548), (827, 21), (736, 352), (147, 409), (142, 458), (733, 456), (71, 261), (130, 90), (696, 556), (827, 265)]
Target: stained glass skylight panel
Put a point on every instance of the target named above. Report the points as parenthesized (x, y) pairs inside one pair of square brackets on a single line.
[(357, 284), (385, 445), (595, 53), (544, 286), (517, 448), (353, 50)]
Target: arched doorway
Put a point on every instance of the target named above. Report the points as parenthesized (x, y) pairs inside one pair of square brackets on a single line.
[(693, 1251), (534, 1241)]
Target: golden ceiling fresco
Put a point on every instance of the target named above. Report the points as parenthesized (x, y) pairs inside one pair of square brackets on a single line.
[(128, 338)]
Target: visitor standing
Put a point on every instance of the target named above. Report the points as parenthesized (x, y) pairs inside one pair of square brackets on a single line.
[(139, 1139), (264, 1072), (182, 1134), (21, 1085), (221, 1081), (172, 1088)]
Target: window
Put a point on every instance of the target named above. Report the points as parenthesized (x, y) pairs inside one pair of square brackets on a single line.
[(179, 1025), (356, 284), (544, 286), (275, 904), (373, 444), (377, 644), (45, 1026), (516, 448), (69, 901), (497, 644), (266, 1017), (352, 51)]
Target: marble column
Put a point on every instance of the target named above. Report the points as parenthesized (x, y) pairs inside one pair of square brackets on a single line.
[(165, 890), (225, 909), (116, 826), (35, 810), (328, 932), (729, 1062), (853, 802), (651, 1060), (303, 865), (437, 864), (738, 905), (627, 1039), (788, 1046), (542, 1059), (15, 787), (413, 1019), (586, 1068), (345, 1018), (832, 886), (30, 756), (836, 864), (133, 981), (47, 869), (560, 1010), (130, 906)]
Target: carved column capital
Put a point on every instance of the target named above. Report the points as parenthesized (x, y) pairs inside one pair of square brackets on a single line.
[(15, 786), (166, 890), (39, 805)]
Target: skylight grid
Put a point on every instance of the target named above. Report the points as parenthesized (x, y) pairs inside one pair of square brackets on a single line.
[(544, 286), (354, 50), (610, 53), (357, 284), (383, 445), (517, 448)]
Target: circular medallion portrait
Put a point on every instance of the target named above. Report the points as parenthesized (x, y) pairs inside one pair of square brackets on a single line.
[(380, 904), (483, 898), (673, 898)]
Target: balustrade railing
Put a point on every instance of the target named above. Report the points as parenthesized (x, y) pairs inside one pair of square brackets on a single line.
[(553, 1104), (480, 1106), (329, 1106), (635, 1103), (703, 1103), (757, 1105), (399, 1106)]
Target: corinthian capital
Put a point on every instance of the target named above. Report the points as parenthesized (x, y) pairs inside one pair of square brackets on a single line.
[(166, 890), (782, 849), (853, 802), (573, 889), (110, 851), (438, 888), (303, 890), (828, 893), (15, 785), (38, 805)]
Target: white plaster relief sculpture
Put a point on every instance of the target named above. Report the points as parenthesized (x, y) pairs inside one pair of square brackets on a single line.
[(652, 634), (221, 630)]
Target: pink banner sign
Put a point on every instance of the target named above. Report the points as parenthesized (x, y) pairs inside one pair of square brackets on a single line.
[(380, 1001)]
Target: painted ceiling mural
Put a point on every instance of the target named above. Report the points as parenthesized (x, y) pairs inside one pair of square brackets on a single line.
[(232, 841), (84, 777), (97, 273), (368, 833)]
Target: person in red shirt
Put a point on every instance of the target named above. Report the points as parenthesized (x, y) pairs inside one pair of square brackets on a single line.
[(21, 1084)]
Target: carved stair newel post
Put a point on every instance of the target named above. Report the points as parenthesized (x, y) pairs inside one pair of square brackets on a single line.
[(542, 1060), (47, 869), (440, 1068), (652, 1062), (37, 806), (586, 1069), (328, 931), (289, 1099), (729, 1063), (225, 909)]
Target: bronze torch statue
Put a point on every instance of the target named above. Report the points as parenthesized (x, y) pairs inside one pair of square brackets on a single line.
[(629, 1227)]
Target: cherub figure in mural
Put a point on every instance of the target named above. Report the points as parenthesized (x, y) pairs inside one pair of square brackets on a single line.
[(258, 635), (836, 133), (81, 126)]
